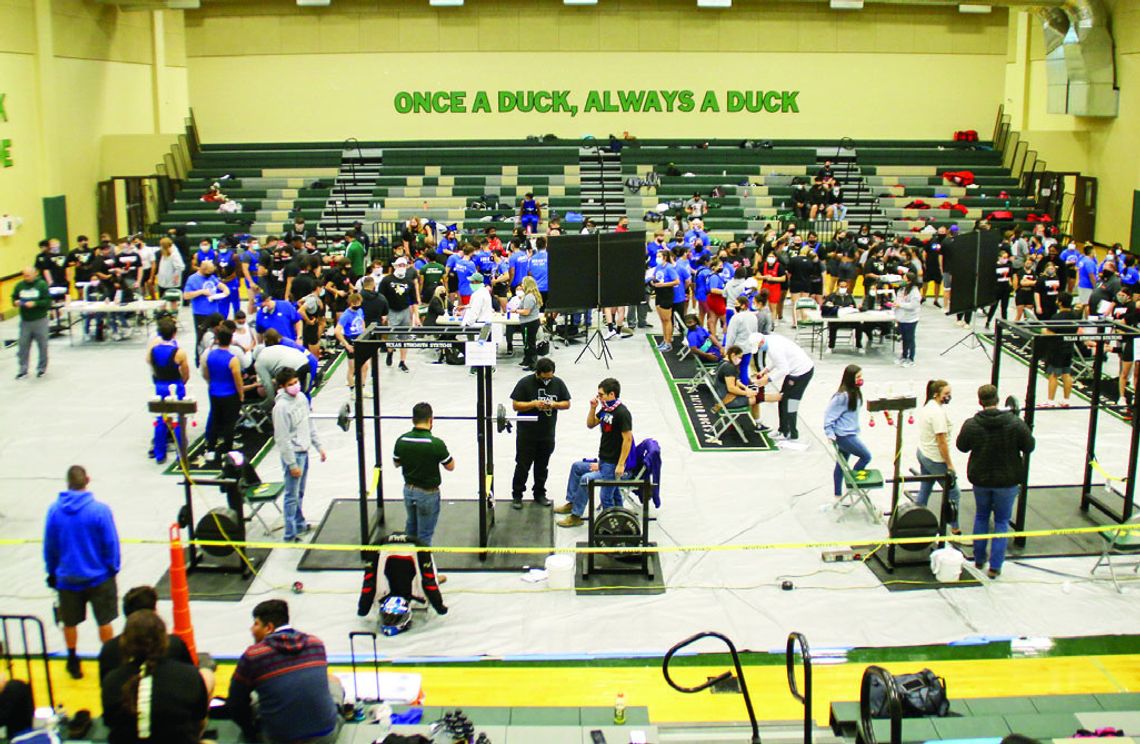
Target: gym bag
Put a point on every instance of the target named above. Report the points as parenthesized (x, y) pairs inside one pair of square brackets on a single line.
[(922, 694)]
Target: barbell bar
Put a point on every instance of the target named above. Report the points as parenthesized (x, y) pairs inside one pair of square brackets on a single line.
[(501, 418)]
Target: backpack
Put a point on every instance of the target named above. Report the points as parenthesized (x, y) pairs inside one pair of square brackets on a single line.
[(922, 694), (966, 135)]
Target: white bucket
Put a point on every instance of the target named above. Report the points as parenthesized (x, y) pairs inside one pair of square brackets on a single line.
[(560, 571), (946, 563)]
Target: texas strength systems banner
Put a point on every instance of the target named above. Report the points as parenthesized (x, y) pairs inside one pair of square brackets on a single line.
[(596, 101)]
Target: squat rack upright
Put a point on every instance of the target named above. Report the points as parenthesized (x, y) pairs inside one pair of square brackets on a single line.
[(1103, 334), (367, 348)]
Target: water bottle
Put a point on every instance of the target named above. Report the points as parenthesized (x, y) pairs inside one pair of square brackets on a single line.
[(619, 709)]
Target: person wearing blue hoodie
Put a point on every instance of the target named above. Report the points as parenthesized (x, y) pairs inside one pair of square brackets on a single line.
[(81, 552)]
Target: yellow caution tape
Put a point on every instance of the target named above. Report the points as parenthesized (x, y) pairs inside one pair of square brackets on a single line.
[(543, 550), (1107, 476)]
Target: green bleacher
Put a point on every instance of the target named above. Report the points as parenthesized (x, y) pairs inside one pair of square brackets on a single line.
[(444, 181)]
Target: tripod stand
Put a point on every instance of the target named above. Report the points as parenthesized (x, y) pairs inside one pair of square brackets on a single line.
[(602, 350), (972, 339)]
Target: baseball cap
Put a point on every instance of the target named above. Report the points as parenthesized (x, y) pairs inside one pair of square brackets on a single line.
[(401, 261), (475, 278)]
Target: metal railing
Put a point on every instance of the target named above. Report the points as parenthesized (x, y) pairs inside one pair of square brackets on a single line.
[(18, 626), (866, 730), (794, 640), (714, 680)]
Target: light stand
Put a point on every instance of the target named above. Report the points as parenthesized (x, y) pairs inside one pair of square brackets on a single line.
[(972, 339), (603, 349)]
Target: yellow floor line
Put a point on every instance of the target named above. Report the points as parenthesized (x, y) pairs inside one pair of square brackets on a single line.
[(584, 686)]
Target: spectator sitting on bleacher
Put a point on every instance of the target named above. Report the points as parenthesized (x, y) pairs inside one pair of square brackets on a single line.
[(734, 394), (297, 698), (696, 207), (154, 697), (137, 598), (817, 199), (701, 343), (799, 200), (214, 194)]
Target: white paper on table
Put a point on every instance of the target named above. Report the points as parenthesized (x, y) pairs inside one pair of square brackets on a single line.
[(498, 334), (393, 687), (479, 353), (847, 311)]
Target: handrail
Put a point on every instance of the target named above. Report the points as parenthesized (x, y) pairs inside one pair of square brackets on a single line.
[(798, 639), (24, 621), (866, 730), (351, 164), (719, 678)]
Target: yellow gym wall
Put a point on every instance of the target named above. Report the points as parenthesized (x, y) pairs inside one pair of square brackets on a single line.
[(1106, 148), (270, 71), (74, 73)]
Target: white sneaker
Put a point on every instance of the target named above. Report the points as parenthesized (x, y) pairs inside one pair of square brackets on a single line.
[(908, 363), (899, 361)]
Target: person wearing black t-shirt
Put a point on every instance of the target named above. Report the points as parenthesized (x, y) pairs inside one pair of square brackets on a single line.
[(51, 264), (78, 259), (1004, 271), (1048, 289), (305, 282), (373, 304), (543, 395), (1025, 293), (400, 292), (606, 410), (153, 698), (1059, 352)]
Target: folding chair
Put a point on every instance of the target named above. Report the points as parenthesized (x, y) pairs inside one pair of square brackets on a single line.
[(810, 329), (1118, 543), (258, 497), (858, 484), (730, 418)]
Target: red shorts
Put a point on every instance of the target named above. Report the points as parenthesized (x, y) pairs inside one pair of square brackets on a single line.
[(716, 305), (775, 293)]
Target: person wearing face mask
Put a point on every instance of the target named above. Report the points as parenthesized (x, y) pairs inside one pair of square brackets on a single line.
[(1004, 271), (294, 435), (841, 424), (204, 253), (1047, 291), (933, 452), (775, 277), (542, 395), (787, 361), (907, 305), (1025, 288), (666, 284), (203, 290), (398, 289), (529, 301), (839, 299)]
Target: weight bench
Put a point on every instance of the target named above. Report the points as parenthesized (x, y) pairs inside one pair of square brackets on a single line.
[(262, 495), (858, 484)]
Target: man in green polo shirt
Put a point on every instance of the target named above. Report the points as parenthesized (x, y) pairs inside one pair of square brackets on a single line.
[(33, 299), (355, 254), (419, 454)]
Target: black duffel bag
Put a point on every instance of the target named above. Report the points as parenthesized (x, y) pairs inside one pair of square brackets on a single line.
[(922, 694)]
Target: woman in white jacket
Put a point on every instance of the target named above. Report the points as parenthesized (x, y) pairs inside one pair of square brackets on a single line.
[(170, 267), (906, 315)]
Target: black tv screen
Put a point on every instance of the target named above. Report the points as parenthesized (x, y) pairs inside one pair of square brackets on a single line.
[(603, 270), (972, 262)]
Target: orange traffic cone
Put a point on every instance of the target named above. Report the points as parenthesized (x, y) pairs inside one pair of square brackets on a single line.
[(180, 593)]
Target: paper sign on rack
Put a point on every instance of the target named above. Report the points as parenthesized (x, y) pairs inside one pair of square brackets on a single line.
[(479, 353)]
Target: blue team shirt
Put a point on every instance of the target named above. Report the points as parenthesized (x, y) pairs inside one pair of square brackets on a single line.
[(205, 255), (530, 208), (221, 376), (464, 268), (666, 273), (699, 339), (251, 259), (684, 274), (519, 262), (1086, 272), (453, 259), (485, 263), (539, 269), (202, 304), (699, 254), (694, 235), (224, 260), (1130, 276), (716, 281), (448, 246), (701, 283), (352, 323), (283, 318), (651, 250)]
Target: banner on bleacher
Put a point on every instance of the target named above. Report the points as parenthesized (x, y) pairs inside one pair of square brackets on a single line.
[(596, 101)]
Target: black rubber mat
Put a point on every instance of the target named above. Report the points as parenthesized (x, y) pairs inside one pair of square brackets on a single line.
[(214, 586), (458, 526), (600, 582)]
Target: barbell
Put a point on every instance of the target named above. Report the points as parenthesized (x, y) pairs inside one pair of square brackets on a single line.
[(501, 419)]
